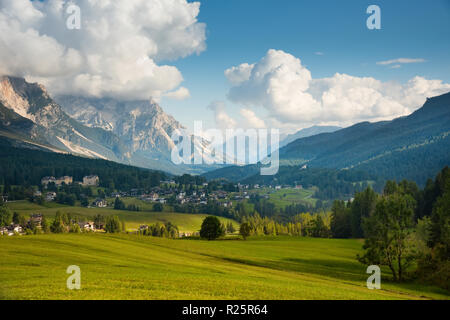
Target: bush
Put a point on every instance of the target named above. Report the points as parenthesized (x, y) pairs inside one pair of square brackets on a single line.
[(58, 223), (75, 228)]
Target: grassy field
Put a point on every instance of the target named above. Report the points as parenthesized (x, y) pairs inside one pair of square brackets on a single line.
[(138, 267), (185, 222), (288, 196)]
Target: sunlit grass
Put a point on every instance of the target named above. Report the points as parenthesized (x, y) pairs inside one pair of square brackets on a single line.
[(185, 222), (140, 267)]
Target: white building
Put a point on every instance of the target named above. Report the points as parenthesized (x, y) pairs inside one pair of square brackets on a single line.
[(50, 196), (88, 226), (101, 203)]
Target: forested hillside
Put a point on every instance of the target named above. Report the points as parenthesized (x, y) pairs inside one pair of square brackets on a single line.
[(393, 149), (397, 149), (24, 166)]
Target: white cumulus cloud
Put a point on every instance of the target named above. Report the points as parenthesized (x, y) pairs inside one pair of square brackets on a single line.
[(239, 74), (282, 85), (251, 119), (116, 52), (179, 94), (223, 120)]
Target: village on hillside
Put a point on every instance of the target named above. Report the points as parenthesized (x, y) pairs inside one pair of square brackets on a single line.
[(170, 195)]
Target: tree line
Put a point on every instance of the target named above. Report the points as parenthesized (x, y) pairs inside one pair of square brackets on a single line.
[(405, 228), (61, 223), (166, 230)]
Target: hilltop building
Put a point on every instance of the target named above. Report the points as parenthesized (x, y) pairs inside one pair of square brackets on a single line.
[(92, 180), (57, 181)]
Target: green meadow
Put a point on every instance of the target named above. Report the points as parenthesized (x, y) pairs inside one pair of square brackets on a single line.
[(283, 197), (125, 266), (185, 222)]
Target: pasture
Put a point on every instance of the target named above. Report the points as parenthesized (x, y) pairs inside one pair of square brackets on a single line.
[(125, 266), (184, 221)]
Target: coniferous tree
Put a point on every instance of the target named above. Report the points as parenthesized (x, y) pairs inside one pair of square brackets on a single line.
[(245, 230), (340, 224), (5, 216), (363, 206), (112, 224)]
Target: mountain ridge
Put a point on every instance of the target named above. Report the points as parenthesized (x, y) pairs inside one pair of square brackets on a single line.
[(394, 149), (307, 132), (52, 125), (129, 132)]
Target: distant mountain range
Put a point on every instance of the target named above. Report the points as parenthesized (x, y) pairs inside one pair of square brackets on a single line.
[(29, 113), (131, 132), (138, 133), (414, 147)]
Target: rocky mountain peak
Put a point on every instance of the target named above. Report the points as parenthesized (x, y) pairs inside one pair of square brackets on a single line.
[(142, 124), (12, 98)]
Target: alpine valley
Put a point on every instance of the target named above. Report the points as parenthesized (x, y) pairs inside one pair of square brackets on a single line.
[(139, 133)]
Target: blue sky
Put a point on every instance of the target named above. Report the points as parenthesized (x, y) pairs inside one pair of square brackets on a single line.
[(242, 31), (290, 64)]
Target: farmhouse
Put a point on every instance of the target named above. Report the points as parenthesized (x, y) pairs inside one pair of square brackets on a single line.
[(88, 226), (101, 203), (228, 204), (181, 195), (50, 196), (36, 219), (184, 234), (153, 196), (15, 228)]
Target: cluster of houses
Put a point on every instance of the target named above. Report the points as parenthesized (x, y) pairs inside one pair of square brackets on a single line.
[(181, 197), (167, 190), (198, 197), (11, 230), (35, 221), (14, 228), (91, 180)]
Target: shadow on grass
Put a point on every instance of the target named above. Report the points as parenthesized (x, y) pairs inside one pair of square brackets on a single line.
[(342, 270), (339, 269)]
